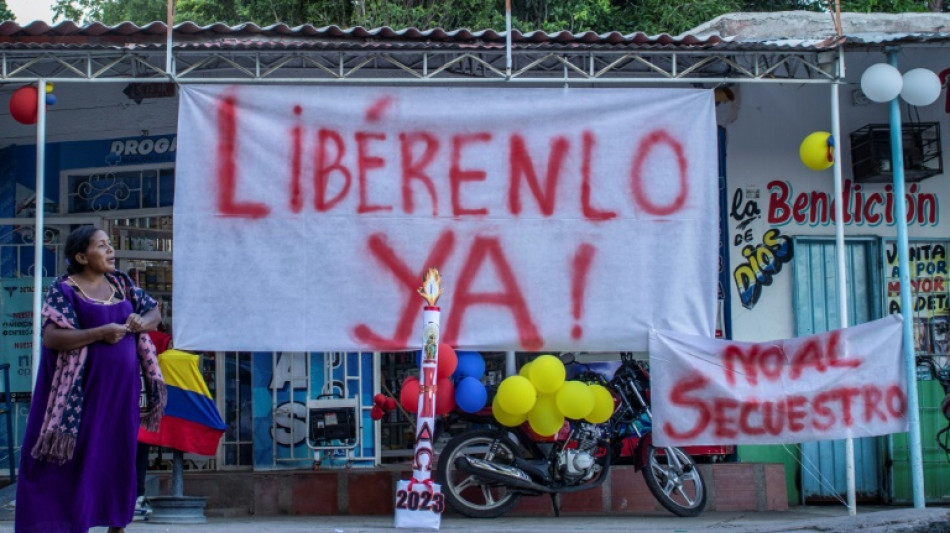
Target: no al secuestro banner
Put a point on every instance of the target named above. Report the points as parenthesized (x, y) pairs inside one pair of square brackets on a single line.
[(559, 219), (844, 383)]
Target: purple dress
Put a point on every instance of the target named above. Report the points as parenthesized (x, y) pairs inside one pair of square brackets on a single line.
[(97, 487)]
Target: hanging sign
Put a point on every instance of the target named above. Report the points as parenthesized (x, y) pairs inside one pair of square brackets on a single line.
[(570, 219), (844, 383)]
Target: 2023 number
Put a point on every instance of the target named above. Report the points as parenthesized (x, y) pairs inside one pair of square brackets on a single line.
[(420, 501)]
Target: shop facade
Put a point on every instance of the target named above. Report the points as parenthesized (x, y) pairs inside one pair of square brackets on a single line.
[(110, 161)]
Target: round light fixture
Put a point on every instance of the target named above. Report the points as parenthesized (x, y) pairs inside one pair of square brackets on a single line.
[(921, 87), (881, 82)]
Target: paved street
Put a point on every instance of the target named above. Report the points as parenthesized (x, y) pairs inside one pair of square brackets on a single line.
[(800, 519)]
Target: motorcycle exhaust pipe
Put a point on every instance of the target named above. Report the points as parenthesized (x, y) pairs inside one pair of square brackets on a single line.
[(498, 473)]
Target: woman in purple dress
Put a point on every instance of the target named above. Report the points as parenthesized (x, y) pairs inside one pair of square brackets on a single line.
[(77, 466)]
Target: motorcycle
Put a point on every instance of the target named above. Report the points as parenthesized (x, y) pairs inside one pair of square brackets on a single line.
[(485, 471)]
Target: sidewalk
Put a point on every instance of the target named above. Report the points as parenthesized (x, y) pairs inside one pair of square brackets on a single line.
[(809, 519)]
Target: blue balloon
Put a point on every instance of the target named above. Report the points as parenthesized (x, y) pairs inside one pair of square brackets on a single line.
[(50, 99), (470, 364), (470, 395)]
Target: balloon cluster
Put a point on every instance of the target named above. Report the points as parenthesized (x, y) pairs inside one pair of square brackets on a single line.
[(23, 102), (541, 396), (382, 404), (458, 384)]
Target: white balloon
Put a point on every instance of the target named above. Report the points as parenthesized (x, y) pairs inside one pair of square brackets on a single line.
[(881, 82), (921, 87)]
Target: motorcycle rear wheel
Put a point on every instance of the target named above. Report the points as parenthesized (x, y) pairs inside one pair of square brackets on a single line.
[(676, 481), (466, 493)]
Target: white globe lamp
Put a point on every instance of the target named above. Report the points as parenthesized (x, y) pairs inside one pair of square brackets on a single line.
[(921, 87), (881, 82)]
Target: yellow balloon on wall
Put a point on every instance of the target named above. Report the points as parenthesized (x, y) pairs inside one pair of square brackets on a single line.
[(603, 405), (516, 395), (547, 374), (544, 418), (506, 419), (817, 150), (575, 399)]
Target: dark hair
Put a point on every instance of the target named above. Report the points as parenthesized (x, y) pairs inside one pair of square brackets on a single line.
[(77, 243)]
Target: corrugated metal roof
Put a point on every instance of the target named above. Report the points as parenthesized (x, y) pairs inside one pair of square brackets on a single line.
[(800, 27), (69, 32)]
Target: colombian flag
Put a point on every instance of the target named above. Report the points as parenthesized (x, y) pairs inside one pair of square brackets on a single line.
[(191, 422)]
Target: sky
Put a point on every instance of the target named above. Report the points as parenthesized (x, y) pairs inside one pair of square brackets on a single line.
[(27, 11)]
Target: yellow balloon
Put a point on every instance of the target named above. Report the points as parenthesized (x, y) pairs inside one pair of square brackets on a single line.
[(575, 399), (516, 395), (544, 418), (524, 370), (506, 419), (603, 405), (817, 151), (547, 374)]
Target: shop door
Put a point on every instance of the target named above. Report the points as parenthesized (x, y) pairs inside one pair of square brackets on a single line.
[(816, 311)]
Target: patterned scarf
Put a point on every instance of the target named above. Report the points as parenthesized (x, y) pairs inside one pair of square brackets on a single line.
[(58, 435)]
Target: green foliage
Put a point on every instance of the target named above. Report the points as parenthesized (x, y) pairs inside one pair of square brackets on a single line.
[(5, 13), (883, 6), (601, 16)]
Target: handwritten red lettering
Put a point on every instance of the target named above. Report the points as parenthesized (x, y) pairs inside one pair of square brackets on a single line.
[(651, 141), (457, 175), (364, 163), (416, 170), (227, 168), (323, 170), (408, 280), (484, 250), (590, 212), (296, 143), (523, 167), (679, 395), (725, 417)]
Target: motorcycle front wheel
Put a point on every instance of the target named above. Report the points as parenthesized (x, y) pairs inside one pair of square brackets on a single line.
[(465, 492), (675, 481)]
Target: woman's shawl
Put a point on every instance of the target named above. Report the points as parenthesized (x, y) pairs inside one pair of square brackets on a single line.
[(57, 440)]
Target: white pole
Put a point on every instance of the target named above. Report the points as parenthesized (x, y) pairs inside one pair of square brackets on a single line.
[(511, 366), (168, 37), (507, 39), (910, 362), (40, 202), (842, 273)]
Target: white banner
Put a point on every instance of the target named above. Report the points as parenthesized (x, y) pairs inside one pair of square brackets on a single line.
[(844, 383), (569, 219)]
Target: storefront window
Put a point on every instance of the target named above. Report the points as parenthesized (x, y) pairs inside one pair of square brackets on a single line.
[(112, 189), (238, 442)]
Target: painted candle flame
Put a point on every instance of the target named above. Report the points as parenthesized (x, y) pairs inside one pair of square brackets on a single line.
[(431, 286)]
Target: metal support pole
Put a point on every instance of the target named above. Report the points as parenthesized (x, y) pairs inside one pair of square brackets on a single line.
[(178, 474), (507, 39), (910, 364), (168, 37), (40, 206), (511, 367), (842, 273)]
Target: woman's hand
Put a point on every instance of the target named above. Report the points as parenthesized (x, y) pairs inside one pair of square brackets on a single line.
[(135, 323), (113, 333)]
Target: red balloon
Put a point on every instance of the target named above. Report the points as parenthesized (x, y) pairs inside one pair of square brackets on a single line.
[(444, 394), (447, 361), (390, 403), (409, 394), (380, 400), (376, 413), (23, 105)]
